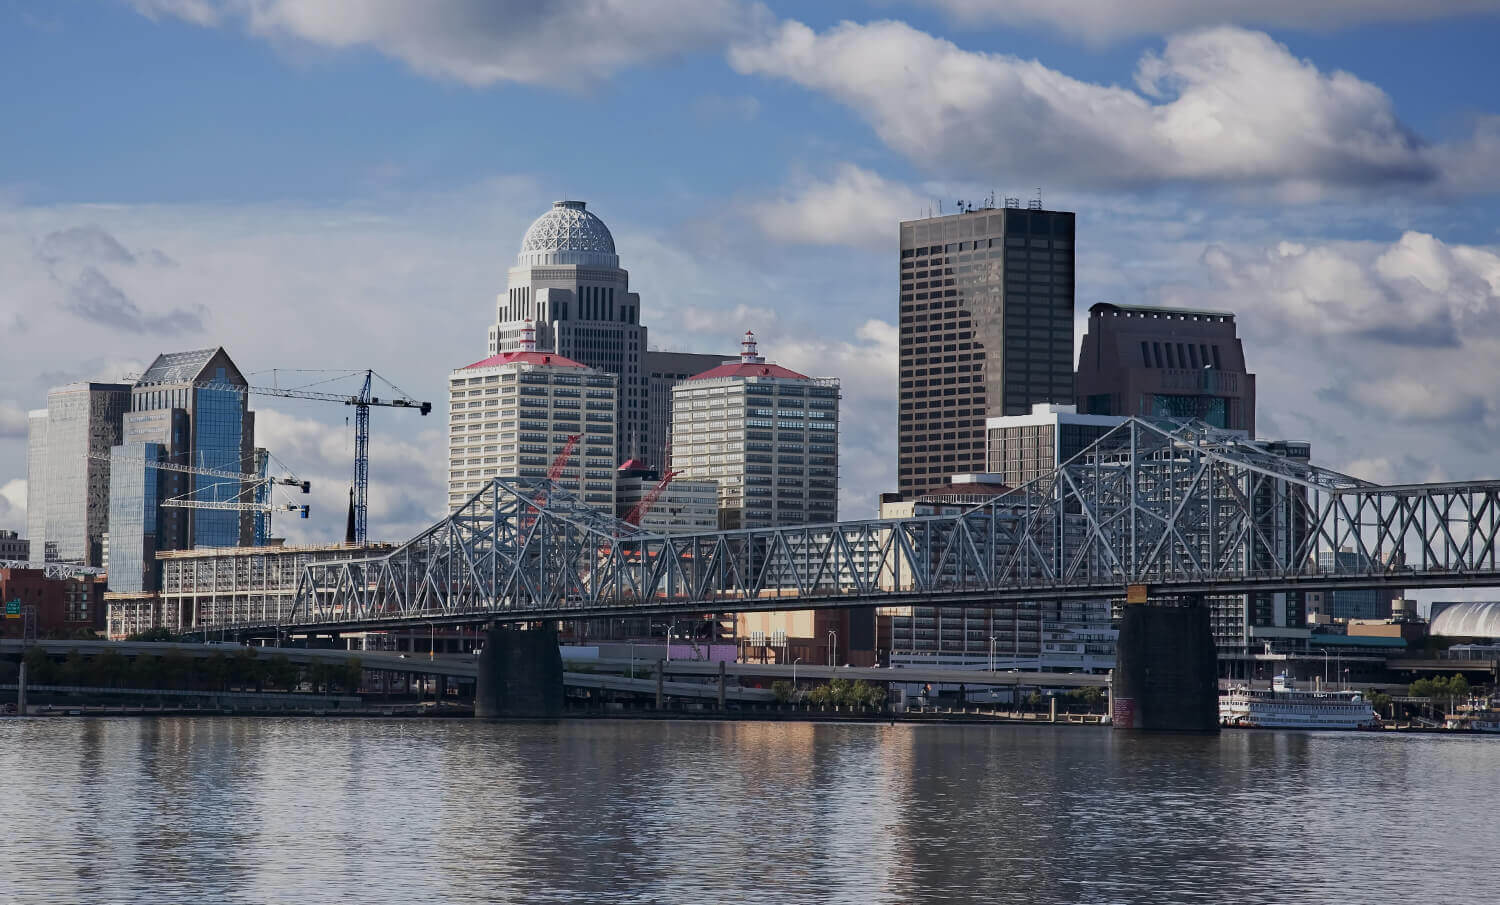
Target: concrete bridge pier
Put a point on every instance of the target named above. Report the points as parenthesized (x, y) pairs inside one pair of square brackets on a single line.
[(1166, 676), (520, 673)]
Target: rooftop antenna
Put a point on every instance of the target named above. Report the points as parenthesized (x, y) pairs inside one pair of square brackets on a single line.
[(1036, 203)]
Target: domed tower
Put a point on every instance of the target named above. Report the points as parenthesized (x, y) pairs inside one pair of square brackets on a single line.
[(568, 281)]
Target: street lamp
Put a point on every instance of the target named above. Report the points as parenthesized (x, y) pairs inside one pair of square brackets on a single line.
[(1325, 664), (833, 643), (431, 641), (794, 675)]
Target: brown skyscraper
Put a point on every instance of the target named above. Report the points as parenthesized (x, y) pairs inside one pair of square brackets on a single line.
[(986, 329), (1165, 363)]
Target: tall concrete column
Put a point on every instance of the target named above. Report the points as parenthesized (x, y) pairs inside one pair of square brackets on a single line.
[(520, 674), (1166, 676), (21, 691), (721, 684)]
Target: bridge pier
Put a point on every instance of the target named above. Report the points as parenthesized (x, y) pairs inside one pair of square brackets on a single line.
[(1166, 676), (520, 674)]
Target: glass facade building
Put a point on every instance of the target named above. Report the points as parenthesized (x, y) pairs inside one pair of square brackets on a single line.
[(986, 329), (68, 451), (134, 499), (218, 442)]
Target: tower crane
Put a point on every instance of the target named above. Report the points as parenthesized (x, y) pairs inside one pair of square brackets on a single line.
[(362, 401), (259, 503)]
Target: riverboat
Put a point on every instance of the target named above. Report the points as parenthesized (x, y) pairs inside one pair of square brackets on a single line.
[(1284, 706)]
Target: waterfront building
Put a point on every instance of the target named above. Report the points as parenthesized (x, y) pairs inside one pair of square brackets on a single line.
[(189, 409), (685, 506), (205, 588), (663, 371), (569, 288), (1034, 634), (511, 414), (1022, 448), (62, 607), (68, 444), (14, 547), (766, 434), (1165, 363), (986, 328)]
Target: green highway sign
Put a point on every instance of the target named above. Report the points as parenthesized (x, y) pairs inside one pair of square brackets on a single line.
[(13, 607)]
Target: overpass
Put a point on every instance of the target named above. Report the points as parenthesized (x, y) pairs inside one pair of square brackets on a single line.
[(1154, 509)]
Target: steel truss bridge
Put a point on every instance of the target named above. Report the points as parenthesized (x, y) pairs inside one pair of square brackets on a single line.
[(1165, 508)]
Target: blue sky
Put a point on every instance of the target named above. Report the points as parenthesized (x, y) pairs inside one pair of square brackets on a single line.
[(343, 184)]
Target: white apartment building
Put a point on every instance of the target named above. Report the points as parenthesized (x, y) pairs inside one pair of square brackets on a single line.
[(512, 414), (767, 435)]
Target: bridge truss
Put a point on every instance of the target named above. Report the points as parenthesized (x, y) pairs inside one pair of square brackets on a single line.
[(1177, 508)]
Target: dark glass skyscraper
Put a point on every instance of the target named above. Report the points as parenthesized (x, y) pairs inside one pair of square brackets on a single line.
[(986, 329)]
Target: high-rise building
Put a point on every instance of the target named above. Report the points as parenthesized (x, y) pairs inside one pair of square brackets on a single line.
[(768, 435), (1165, 363), (986, 329), (568, 283), (512, 414), (191, 409), (663, 371), (68, 455), (1023, 448), (1368, 603)]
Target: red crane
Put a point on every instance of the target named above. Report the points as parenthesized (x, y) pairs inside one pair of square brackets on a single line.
[(554, 473), (639, 511)]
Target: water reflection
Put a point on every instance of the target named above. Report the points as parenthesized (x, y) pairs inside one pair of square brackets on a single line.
[(227, 810)]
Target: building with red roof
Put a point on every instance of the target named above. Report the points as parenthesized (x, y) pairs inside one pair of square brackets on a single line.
[(512, 414)]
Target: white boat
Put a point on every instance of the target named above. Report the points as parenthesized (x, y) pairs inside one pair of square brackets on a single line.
[(1284, 706)]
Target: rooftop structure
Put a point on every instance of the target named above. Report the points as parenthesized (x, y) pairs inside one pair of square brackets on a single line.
[(568, 288)]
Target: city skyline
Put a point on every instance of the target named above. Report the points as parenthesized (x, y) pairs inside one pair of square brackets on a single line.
[(1362, 284)]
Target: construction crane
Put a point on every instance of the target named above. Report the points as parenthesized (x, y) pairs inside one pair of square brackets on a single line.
[(362, 401), (638, 512), (555, 473), (260, 503)]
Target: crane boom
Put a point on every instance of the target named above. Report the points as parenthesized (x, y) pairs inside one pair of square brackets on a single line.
[(176, 503), (247, 477), (638, 512)]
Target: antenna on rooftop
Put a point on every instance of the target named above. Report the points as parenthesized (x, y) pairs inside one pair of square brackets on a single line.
[(1036, 203)]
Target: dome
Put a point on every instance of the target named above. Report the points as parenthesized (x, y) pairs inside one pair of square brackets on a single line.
[(1468, 620), (568, 234)]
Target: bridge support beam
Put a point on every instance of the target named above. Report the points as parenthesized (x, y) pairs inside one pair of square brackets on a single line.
[(1166, 676), (520, 674)]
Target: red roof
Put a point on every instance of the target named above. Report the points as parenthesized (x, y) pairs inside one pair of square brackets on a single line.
[(517, 356), (749, 369)]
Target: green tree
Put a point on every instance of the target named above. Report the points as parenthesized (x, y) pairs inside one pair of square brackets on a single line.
[(155, 634), (245, 668), (215, 671), (353, 673), (782, 689), (147, 672), (282, 673), (110, 668), (39, 667)]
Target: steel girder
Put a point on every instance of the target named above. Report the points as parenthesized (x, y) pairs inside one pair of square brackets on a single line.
[(1157, 503)]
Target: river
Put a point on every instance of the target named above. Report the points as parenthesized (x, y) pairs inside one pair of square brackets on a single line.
[(209, 810)]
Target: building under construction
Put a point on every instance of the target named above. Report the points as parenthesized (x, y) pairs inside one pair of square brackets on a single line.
[(213, 586)]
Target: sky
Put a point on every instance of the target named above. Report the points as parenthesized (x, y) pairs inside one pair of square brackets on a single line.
[(342, 184)]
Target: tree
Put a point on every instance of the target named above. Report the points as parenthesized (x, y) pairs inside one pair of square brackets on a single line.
[(353, 675), (159, 633), (39, 667), (782, 689), (282, 673), (110, 668)]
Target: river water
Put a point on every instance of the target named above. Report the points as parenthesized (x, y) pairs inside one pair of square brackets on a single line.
[(207, 810)]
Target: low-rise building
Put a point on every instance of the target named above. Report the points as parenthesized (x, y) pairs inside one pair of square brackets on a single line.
[(61, 607), (14, 547), (218, 586)]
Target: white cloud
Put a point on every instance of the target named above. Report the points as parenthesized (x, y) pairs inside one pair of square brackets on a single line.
[(568, 44), (1108, 20), (12, 420), (854, 207), (13, 505), (1222, 106)]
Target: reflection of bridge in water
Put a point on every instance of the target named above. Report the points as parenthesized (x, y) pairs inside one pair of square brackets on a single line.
[(1162, 509)]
